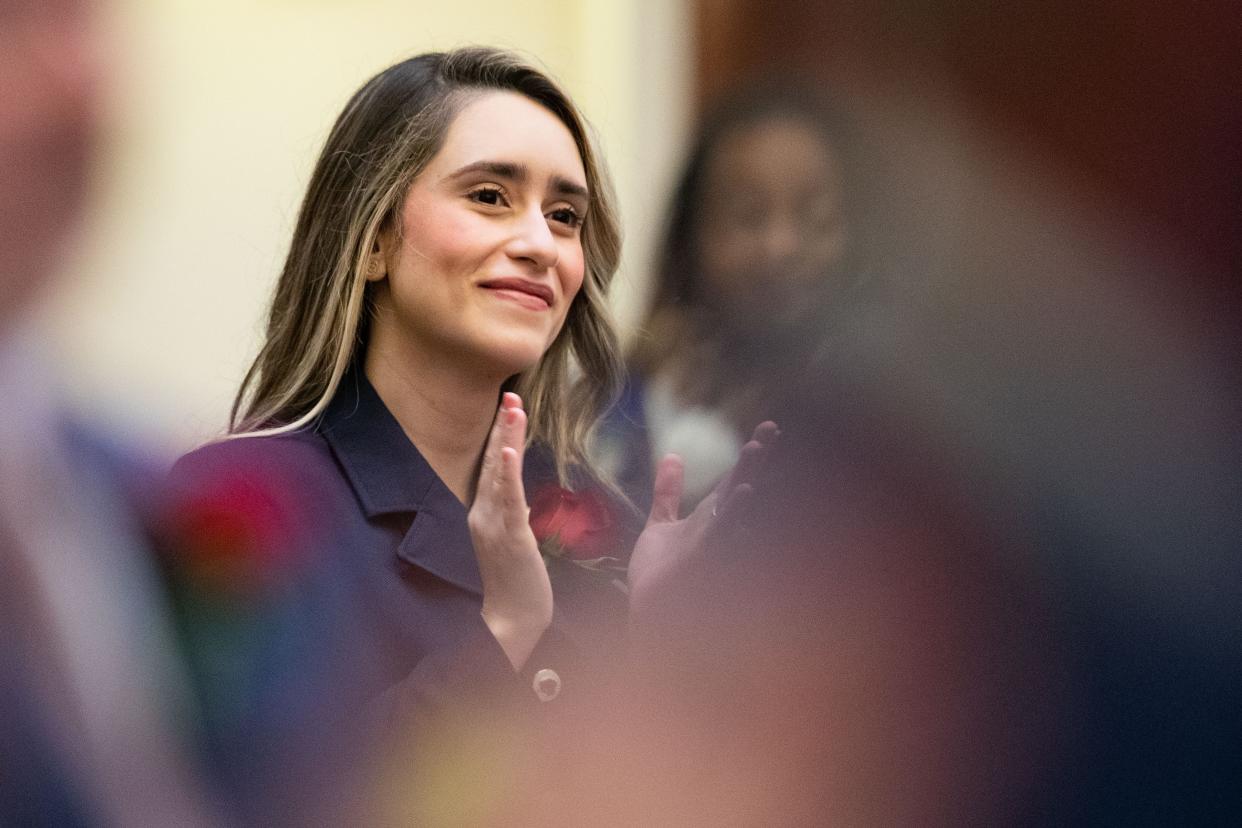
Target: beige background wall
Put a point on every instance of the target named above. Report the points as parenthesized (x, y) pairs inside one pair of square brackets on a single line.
[(219, 110)]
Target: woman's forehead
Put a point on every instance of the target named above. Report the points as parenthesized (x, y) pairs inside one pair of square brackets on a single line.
[(507, 127), (778, 151)]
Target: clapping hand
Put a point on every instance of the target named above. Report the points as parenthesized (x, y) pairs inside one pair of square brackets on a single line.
[(517, 596), (669, 545)]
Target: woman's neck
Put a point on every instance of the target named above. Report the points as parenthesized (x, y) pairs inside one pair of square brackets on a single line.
[(446, 413)]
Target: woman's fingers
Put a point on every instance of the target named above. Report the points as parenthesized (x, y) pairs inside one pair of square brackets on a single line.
[(666, 495), (750, 459), (749, 462), (670, 548), (500, 486), (738, 485), (766, 433), (490, 469), (512, 492), (731, 514), (491, 474), (517, 596)]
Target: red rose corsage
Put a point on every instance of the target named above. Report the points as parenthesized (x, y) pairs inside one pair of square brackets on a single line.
[(581, 527)]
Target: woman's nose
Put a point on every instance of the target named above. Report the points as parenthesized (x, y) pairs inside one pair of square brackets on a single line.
[(533, 240), (781, 238)]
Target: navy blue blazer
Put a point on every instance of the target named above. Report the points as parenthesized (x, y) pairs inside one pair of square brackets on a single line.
[(380, 615)]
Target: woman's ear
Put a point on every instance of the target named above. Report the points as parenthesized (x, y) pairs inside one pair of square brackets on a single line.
[(377, 262)]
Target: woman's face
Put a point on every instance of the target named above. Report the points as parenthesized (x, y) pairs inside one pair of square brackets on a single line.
[(772, 227), (490, 252)]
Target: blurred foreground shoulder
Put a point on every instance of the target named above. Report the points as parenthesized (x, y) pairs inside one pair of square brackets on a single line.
[(263, 502)]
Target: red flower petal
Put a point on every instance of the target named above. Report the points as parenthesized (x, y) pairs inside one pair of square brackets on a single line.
[(580, 523)]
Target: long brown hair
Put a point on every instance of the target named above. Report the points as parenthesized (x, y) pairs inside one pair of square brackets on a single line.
[(388, 132)]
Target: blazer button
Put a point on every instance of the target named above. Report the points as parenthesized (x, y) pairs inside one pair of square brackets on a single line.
[(547, 684)]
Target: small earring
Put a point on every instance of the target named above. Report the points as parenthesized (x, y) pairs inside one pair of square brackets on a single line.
[(374, 271)]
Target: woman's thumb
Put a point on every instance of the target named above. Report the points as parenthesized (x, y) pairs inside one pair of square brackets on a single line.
[(666, 494)]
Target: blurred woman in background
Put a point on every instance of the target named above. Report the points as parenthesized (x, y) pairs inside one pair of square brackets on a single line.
[(760, 247)]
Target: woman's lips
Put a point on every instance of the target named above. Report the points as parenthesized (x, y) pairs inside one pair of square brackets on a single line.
[(530, 295)]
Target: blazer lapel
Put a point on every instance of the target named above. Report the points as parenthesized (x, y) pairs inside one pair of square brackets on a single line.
[(438, 541), (390, 476)]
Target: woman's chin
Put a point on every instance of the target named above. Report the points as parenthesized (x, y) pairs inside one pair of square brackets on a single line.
[(512, 358)]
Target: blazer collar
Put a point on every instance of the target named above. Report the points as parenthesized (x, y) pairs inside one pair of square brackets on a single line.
[(390, 476), (387, 472)]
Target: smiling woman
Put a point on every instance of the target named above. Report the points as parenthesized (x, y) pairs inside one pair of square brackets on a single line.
[(449, 263), (373, 190)]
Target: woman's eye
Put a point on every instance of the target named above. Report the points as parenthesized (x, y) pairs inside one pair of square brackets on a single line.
[(566, 216), (490, 196)]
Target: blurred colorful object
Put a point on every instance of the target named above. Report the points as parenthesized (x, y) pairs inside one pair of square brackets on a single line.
[(258, 608), (237, 530)]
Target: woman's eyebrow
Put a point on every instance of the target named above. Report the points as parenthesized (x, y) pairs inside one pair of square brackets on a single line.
[(564, 187), (519, 173)]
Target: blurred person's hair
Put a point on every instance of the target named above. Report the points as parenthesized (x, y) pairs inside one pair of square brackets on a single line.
[(319, 318), (680, 311)]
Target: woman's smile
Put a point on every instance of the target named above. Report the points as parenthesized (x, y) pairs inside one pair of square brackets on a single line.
[(523, 292)]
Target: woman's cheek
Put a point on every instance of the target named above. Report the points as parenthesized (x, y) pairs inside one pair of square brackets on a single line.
[(443, 236), (571, 288), (574, 273)]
